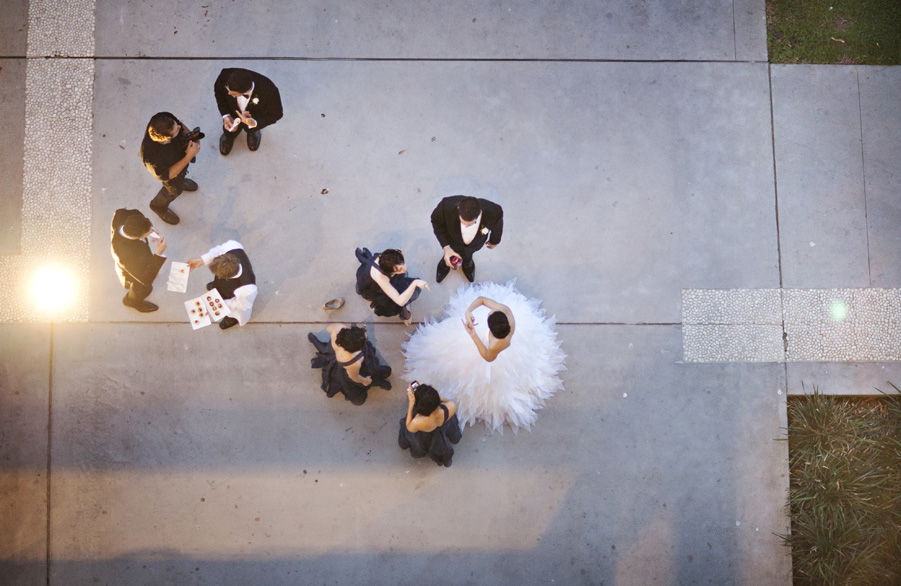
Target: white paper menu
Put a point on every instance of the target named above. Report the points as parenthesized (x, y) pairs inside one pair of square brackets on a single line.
[(204, 310), (178, 277)]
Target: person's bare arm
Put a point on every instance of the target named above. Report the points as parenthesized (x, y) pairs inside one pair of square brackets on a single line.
[(385, 284), (353, 371), (190, 153)]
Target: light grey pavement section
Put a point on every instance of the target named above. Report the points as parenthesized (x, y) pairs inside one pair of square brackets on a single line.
[(837, 378), (750, 30), (880, 106), (642, 471), (24, 400), (12, 136), (521, 29), (14, 29), (638, 178), (822, 205)]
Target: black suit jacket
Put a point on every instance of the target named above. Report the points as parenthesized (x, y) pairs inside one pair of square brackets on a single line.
[(135, 262), (446, 224), (267, 108)]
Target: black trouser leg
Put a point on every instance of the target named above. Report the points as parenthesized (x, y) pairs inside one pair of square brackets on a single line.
[(167, 194), (137, 293)]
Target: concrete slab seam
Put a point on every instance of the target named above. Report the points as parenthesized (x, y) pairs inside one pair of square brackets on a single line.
[(819, 325), (863, 176), (58, 156)]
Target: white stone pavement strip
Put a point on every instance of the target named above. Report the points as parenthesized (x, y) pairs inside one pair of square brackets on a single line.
[(818, 325), (56, 194)]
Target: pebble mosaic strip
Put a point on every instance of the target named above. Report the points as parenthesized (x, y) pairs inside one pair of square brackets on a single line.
[(61, 28), (732, 343), (56, 191), (820, 325), (732, 306)]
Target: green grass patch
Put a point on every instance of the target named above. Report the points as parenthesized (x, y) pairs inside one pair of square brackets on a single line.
[(866, 32), (845, 490)]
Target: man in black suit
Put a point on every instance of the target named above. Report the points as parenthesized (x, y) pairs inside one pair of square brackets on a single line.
[(463, 225), (136, 265), (246, 100), (166, 153)]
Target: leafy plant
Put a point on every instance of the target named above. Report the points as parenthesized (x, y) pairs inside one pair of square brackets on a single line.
[(845, 490)]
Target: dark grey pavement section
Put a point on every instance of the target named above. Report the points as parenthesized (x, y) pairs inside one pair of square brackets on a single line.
[(12, 137), (819, 169), (14, 29), (24, 402), (565, 29), (645, 470), (643, 179), (843, 378), (880, 113)]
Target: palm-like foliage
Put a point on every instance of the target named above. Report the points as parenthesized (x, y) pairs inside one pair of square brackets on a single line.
[(845, 490)]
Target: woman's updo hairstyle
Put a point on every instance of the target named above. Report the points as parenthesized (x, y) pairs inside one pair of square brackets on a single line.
[(498, 324), (351, 339), (389, 259), (427, 400)]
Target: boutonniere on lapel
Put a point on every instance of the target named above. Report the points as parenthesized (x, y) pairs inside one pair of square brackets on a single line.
[(255, 101), (484, 230)]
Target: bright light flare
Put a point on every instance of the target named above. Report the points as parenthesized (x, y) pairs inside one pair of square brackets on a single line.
[(838, 310), (52, 289)]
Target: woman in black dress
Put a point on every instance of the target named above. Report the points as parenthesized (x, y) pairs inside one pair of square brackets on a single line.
[(382, 280), (349, 363), (430, 426)]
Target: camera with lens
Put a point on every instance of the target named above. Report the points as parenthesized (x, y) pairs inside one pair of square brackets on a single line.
[(195, 134), (186, 137)]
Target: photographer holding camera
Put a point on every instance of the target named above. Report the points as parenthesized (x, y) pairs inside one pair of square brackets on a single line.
[(167, 150)]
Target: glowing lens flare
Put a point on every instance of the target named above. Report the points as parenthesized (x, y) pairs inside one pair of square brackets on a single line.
[(52, 289), (838, 310)]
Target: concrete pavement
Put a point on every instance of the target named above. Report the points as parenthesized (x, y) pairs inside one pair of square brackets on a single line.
[(136, 451)]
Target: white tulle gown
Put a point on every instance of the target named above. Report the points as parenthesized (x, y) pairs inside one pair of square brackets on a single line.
[(510, 389)]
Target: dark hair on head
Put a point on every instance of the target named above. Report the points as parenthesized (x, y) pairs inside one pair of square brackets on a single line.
[(388, 259), (469, 208), (351, 339), (499, 324), (161, 125), (225, 266), (136, 225), (239, 81), (426, 400)]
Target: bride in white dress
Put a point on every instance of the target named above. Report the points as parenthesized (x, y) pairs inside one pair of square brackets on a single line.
[(495, 354)]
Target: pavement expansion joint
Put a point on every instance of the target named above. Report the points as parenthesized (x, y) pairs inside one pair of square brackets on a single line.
[(791, 325)]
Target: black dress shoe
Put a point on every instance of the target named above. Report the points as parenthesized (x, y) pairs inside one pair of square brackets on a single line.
[(253, 139), (226, 142), (227, 322), (470, 272), (189, 185), (442, 272), (166, 215), (143, 306)]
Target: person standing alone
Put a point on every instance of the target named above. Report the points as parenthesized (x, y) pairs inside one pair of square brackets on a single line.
[(247, 101)]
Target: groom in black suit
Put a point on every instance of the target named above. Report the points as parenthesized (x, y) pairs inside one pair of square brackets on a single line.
[(248, 101), (463, 225)]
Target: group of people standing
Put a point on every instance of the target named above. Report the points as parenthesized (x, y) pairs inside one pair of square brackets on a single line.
[(495, 357), (247, 101), (472, 365)]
